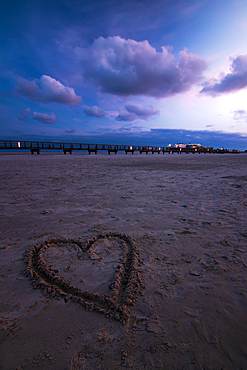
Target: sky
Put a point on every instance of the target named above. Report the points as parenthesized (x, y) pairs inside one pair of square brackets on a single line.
[(151, 72)]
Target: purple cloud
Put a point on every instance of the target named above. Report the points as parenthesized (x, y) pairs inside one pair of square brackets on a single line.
[(94, 112), (45, 118), (231, 82), (135, 111), (239, 114), (140, 110), (131, 129), (126, 116), (46, 90), (127, 67), (24, 115), (69, 131)]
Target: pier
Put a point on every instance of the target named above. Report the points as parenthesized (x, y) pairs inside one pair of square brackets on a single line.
[(37, 146)]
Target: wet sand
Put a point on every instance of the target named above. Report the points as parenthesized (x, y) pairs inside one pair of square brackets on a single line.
[(123, 261)]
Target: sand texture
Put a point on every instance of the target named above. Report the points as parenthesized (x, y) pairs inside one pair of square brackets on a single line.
[(123, 261)]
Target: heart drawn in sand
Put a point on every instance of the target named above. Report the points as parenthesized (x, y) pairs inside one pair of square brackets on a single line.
[(100, 274)]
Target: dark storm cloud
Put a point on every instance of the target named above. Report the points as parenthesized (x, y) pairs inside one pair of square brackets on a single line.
[(94, 112), (231, 82), (128, 67), (46, 90)]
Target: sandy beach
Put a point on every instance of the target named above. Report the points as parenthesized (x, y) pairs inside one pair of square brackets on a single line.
[(123, 261)]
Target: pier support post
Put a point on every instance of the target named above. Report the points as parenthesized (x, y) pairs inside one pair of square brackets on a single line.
[(37, 150), (67, 150)]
